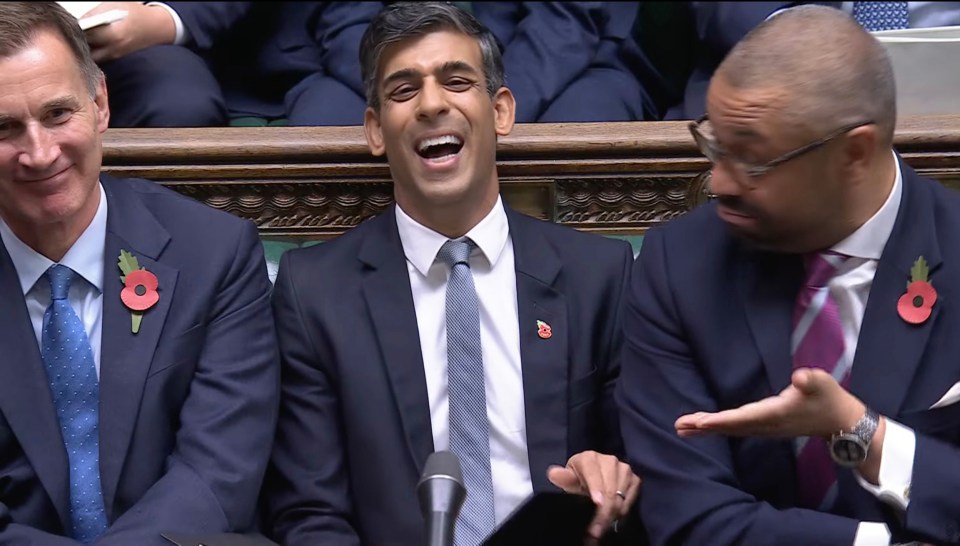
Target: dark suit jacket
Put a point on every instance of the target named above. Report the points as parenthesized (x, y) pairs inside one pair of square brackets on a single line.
[(707, 327), (547, 45), (355, 428), (260, 50), (187, 405), (719, 26)]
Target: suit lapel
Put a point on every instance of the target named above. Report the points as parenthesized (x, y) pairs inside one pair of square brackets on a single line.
[(544, 365), (889, 349), (126, 357), (25, 398), (769, 284), (386, 289)]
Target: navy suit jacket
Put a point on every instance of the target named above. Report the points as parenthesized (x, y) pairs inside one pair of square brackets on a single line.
[(547, 45), (719, 26), (707, 327), (355, 430), (260, 50), (187, 406)]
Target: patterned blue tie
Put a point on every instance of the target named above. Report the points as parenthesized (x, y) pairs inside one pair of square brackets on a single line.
[(875, 16), (469, 436), (66, 352)]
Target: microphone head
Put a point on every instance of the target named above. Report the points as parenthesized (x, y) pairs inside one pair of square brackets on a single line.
[(441, 486), (442, 463)]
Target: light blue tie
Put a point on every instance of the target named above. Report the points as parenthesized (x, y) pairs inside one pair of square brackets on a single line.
[(66, 352), (469, 436), (875, 16)]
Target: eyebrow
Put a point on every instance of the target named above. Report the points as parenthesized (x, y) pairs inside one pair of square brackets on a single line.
[(62, 102), (445, 68)]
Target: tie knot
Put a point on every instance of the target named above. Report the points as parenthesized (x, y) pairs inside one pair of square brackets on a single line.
[(821, 267), (455, 252), (60, 277)]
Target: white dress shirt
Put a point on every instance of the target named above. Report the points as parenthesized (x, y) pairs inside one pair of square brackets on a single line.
[(492, 265), (85, 258), (850, 288)]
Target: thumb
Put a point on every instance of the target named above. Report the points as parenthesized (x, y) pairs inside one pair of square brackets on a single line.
[(809, 380), (564, 478)]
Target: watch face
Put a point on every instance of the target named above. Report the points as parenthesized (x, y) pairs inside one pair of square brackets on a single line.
[(848, 450)]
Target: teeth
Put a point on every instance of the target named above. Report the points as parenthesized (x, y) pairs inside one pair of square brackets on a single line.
[(437, 141)]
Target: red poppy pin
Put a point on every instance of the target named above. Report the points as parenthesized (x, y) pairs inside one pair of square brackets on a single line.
[(916, 304), (140, 288), (543, 330)]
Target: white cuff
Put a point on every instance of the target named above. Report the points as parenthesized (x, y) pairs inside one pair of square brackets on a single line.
[(181, 37), (870, 533), (896, 466)]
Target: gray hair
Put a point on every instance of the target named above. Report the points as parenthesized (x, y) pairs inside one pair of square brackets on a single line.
[(837, 73), (401, 20)]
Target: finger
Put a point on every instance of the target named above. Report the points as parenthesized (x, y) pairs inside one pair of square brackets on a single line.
[(103, 54), (564, 478), (625, 486), (804, 380), (690, 421), (754, 418), (690, 433), (98, 36), (811, 381), (607, 468)]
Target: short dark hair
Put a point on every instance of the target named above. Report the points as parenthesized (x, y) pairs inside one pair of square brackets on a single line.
[(21, 21), (401, 20)]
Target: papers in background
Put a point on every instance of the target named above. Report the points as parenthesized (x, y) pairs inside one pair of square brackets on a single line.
[(79, 9), (926, 65), (105, 18)]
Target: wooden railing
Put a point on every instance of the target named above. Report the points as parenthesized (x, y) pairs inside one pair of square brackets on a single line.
[(315, 182)]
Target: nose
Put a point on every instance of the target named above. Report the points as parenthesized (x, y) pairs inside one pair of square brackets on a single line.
[(40, 149), (723, 180), (432, 101)]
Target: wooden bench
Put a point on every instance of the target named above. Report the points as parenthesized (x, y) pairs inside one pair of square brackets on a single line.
[(312, 183)]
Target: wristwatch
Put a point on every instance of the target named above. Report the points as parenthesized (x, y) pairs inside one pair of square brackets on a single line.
[(849, 449)]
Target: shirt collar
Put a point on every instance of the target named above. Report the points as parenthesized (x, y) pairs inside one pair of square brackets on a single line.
[(870, 238), (421, 244), (85, 257)]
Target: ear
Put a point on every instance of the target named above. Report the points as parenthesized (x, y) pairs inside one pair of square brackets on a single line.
[(504, 111), (373, 132), (102, 105), (860, 149)]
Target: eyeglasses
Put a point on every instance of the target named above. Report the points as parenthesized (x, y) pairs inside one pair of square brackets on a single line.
[(702, 132)]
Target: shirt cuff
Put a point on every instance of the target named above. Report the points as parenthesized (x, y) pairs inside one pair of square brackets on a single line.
[(896, 466), (181, 37), (871, 533)]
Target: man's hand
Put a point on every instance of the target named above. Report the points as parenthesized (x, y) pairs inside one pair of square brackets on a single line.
[(144, 26), (609, 482), (814, 404)]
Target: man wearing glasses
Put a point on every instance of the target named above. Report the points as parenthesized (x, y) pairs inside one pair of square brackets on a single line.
[(790, 370)]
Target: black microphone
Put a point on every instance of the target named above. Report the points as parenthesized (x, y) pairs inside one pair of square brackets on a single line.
[(441, 493)]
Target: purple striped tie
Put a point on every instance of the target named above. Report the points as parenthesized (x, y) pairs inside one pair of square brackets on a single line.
[(817, 342)]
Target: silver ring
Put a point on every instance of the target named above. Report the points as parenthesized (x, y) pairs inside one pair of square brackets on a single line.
[(621, 495)]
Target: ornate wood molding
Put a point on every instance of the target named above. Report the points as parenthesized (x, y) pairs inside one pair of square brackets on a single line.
[(316, 182)]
